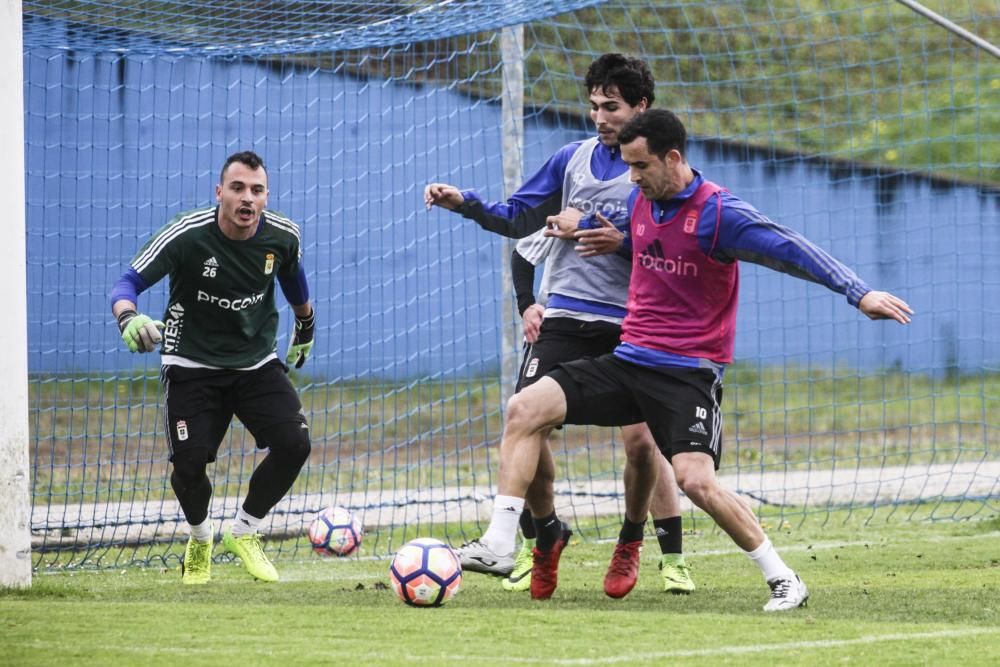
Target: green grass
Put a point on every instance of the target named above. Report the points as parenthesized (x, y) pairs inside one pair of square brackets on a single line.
[(883, 592)]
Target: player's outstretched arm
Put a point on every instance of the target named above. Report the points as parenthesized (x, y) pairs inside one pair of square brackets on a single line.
[(885, 306), (522, 214), (443, 195)]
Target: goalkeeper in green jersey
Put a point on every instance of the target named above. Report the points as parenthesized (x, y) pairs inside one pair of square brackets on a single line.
[(217, 342)]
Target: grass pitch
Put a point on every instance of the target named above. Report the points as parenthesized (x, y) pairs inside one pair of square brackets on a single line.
[(903, 594)]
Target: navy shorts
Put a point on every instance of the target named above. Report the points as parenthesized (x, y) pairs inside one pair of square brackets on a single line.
[(681, 406), (200, 404), (563, 339)]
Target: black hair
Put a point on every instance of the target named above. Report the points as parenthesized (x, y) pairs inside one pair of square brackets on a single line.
[(249, 158), (662, 130), (631, 76)]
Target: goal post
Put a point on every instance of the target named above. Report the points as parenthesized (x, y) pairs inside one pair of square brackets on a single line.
[(15, 491), (512, 124)]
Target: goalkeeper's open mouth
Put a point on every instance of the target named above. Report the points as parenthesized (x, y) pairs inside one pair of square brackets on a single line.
[(246, 213)]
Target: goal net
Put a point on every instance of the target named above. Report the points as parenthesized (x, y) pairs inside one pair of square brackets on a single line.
[(864, 125)]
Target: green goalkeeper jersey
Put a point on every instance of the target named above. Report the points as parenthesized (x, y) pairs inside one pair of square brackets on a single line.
[(221, 310)]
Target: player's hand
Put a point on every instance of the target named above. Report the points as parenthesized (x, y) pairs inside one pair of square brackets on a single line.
[(302, 340), (139, 332), (600, 240), (532, 319), (443, 195), (563, 225), (885, 306)]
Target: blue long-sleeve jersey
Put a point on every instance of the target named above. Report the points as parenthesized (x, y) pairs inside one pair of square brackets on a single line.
[(541, 195), (746, 234), (538, 197)]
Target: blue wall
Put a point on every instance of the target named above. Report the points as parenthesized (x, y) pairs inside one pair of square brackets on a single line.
[(116, 146)]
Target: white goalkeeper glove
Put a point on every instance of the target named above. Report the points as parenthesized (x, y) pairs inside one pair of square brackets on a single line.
[(140, 333)]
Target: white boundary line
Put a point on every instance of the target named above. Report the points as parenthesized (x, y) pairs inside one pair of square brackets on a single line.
[(719, 650), (822, 546), (375, 658)]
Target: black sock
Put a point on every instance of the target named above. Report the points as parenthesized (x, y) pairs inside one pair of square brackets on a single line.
[(668, 533), (527, 525), (548, 530), (631, 531)]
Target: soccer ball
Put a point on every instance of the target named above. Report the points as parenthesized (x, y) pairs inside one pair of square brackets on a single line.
[(335, 532), (425, 573)]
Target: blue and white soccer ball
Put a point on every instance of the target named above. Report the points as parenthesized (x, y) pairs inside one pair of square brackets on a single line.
[(425, 573), (335, 532)]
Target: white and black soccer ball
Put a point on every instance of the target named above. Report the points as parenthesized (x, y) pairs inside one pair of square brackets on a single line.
[(335, 531), (425, 573)]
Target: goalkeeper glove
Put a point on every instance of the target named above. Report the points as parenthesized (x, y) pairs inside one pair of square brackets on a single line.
[(302, 340), (140, 333)]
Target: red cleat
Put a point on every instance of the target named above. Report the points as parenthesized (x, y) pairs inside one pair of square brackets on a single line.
[(545, 567), (623, 571)]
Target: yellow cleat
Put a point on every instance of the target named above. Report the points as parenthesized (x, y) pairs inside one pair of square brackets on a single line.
[(520, 576), (676, 574), (196, 568), (248, 549)]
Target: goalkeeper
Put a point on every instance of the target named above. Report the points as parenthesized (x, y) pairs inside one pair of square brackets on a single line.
[(218, 352)]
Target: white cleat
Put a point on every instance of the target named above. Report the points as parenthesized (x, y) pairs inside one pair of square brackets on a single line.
[(787, 593), (476, 556)]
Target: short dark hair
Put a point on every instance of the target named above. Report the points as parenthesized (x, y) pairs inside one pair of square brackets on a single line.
[(249, 158), (631, 76), (661, 128)]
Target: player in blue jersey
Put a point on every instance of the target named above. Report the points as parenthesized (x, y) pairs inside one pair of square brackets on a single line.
[(582, 317), (217, 342), (688, 235)]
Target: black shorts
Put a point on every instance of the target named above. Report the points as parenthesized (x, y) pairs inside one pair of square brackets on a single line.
[(563, 339), (680, 405), (200, 404)]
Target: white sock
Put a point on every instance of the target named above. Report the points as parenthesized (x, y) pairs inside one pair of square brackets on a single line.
[(203, 531), (501, 536), (245, 524), (770, 562)]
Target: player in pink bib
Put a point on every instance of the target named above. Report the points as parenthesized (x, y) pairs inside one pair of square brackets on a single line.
[(687, 235)]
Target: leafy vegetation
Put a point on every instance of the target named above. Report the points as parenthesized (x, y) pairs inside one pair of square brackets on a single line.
[(860, 82)]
